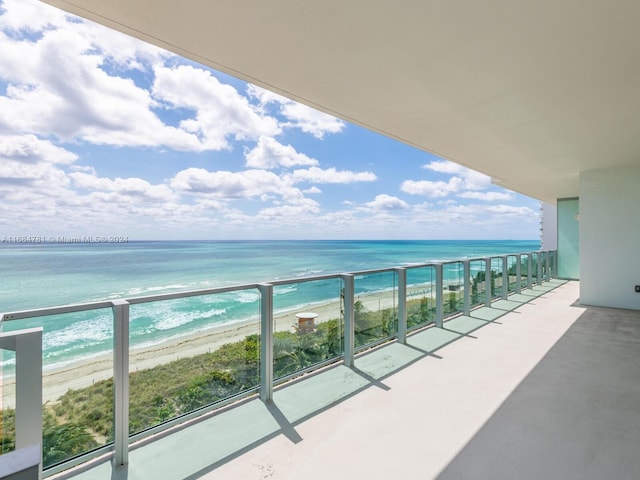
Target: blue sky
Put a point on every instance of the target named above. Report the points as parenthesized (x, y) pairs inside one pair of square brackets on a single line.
[(101, 134)]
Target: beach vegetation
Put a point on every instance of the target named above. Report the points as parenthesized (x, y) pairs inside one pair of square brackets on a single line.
[(420, 311), (8, 430), (63, 440), (81, 420)]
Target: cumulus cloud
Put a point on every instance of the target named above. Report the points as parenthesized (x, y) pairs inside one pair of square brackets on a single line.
[(293, 211), (43, 177), (220, 111), (464, 182), (330, 175), (269, 153), (30, 149), (511, 210), (431, 189), (487, 196), (58, 85), (471, 180), (231, 185), (18, 15), (310, 121), (129, 187), (70, 78), (387, 203), (34, 166), (299, 116)]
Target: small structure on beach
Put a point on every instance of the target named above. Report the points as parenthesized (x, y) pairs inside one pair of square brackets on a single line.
[(306, 321)]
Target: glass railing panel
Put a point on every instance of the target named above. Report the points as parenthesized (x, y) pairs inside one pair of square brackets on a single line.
[(496, 277), (524, 270), (308, 325), (188, 353), (453, 286), (512, 262), (534, 267), (375, 307), (478, 273), (553, 263), (421, 296), (7, 401), (77, 383)]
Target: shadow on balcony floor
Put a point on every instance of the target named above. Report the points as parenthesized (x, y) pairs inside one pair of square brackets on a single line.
[(575, 416)]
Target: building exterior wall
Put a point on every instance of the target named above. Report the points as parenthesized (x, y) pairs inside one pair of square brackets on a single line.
[(610, 237)]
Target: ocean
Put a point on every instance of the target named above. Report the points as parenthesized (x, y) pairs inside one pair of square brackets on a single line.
[(44, 275)]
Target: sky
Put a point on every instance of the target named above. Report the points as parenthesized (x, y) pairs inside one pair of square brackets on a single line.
[(103, 135)]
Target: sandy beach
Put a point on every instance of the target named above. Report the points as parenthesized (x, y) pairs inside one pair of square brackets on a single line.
[(84, 373)]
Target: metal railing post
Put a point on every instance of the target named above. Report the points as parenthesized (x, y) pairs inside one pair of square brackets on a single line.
[(266, 342), (529, 269), (402, 304), (467, 287), (27, 345), (488, 278), (518, 273), (505, 277), (349, 319), (439, 295), (539, 270), (120, 382)]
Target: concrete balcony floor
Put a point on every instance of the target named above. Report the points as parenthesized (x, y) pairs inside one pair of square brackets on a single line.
[(535, 387)]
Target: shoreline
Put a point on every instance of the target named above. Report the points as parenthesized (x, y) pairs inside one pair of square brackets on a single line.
[(83, 373)]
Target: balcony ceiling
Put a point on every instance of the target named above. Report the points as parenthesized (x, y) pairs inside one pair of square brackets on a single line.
[(529, 92)]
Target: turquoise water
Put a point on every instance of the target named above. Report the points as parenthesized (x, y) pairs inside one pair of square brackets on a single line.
[(45, 275)]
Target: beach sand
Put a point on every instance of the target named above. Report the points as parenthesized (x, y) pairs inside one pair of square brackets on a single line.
[(84, 373)]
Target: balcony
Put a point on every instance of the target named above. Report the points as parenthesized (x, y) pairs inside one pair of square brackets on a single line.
[(446, 397)]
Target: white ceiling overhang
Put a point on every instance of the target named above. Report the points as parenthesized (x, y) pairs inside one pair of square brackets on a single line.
[(529, 92)]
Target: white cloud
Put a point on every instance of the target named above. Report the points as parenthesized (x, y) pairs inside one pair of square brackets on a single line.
[(330, 175), (311, 121), (220, 111), (443, 166), (70, 78), (300, 116), (29, 15), (269, 153), (265, 97), (124, 187), (30, 170), (387, 203), (432, 189), (471, 180), (30, 149), (41, 177), (292, 212), (231, 185), (512, 210), (487, 196), (57, 85)]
